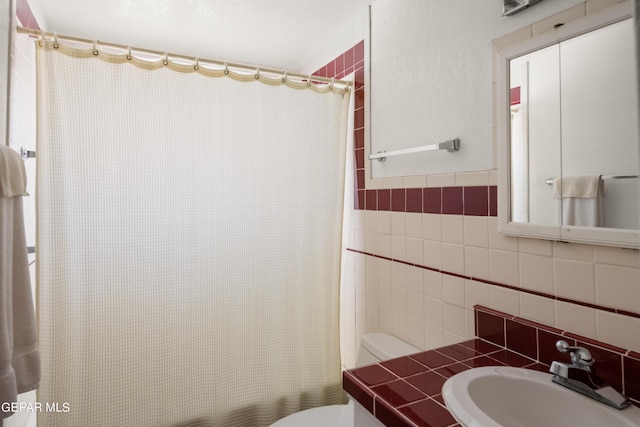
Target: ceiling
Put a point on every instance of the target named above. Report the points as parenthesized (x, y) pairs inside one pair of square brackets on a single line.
[(282, 34)]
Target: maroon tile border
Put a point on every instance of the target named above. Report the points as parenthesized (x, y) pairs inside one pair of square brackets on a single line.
[(470, 201)]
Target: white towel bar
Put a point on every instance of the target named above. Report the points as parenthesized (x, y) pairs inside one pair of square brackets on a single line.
[(450, 145), (549, 181)]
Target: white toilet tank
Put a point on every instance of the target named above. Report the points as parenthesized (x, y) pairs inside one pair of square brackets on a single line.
[(374, 348)]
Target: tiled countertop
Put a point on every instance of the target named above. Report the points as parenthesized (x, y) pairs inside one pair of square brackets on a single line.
[(407, 391)]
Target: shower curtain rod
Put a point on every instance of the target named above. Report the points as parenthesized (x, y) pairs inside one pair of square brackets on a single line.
[(252, 68)]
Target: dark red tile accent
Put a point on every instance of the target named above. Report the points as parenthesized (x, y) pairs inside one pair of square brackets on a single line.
[(607, 366), (632, 377), (398, 393), (459, 352), (359, 100), (624, 312), (428, 382), (493, 200), (360, 179), (359, 158), (537, 325), (358, 199), (358, 118), (450, 370), (361, 394), (479, 362), (339, 63), (522, 338), (372, 199), (490, 327), (348, 59), (452, 201), (390, 416), (511, 359), (403, 366), (414, 200), (358, 138), (597, 343), (433, 359), (538, 367), (440, 399), (359, 78), (330, 69), (398, 200), (480, 308), (514, 95), (547, 351), (476, 201), (373, 375), (432, 200), (481, 346), (384, 200), (428, 413)]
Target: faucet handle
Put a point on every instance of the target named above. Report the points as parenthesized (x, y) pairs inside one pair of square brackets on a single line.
[(580, 356)]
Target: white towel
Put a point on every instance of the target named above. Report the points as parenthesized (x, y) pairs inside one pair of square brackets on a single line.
[(13, 177), (579, 200), (582, 186), (19, 357)]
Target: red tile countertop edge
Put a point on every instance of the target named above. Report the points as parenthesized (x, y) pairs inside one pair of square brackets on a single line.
[(402, 392)]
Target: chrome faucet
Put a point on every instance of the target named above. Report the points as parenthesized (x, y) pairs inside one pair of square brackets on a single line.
[(582, 360)]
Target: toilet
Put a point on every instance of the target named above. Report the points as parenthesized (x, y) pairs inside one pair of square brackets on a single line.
[(374, 348)]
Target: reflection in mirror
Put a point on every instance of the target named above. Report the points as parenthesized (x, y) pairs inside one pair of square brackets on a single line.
[(574, 143)]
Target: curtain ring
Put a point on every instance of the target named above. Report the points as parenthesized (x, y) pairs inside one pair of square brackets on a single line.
[(55, 41), (333, 80), (226, 68), (95, 49), (284, 78), (196, 66), (128, 53), (309, 81), (257, 75), (41, 39), (165, 61)]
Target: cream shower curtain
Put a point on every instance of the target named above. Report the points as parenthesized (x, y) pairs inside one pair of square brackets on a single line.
[(189, 228)]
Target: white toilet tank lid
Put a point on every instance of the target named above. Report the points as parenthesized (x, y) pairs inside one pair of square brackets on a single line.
[(385, 346)]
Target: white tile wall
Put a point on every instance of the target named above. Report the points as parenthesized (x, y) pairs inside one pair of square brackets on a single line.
[(432, 308)]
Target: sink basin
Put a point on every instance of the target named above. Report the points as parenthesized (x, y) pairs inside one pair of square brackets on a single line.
[(495, 396)]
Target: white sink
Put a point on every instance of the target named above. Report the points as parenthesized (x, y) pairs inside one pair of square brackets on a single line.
[(503, 396)]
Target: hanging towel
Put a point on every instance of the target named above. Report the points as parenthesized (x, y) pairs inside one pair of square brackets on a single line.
[(19, 356), (579, 200), (13, 177)]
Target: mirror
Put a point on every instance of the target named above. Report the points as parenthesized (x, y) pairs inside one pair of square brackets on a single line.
[(569, 134)]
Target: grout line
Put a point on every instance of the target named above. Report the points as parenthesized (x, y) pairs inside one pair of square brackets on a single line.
[(505, 286)]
